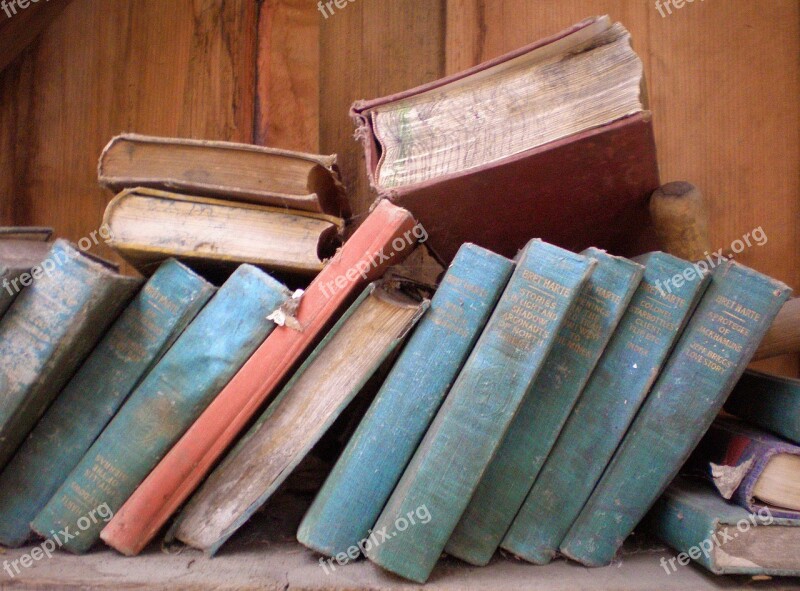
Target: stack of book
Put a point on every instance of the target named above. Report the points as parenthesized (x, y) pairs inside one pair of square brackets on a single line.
[(539, 405), (214, 205)]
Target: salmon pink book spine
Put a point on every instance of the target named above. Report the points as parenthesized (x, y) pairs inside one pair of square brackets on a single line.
[(385, 238)]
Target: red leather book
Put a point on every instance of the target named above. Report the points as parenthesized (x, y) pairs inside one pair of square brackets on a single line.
[(386, 237), (590, 188)]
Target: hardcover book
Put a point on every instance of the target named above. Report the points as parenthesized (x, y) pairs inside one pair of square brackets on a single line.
[(243, 172), (49, 331), (579, 344), (327, 382), (469, 427), (357, 489), (619, 383), (21, 249), (717, 345), (563, 116), (180, 386), (725, 538), (769, 401), (751, 467), (149, 226), (132, 345), (385, 237)]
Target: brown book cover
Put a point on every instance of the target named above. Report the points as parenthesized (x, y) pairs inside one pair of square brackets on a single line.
[(587, 189)]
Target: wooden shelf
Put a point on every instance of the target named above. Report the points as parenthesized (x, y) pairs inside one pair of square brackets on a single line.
[(264, 555)]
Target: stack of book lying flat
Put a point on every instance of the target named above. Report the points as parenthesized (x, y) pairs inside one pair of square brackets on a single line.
[(218, 204), (539, 405)]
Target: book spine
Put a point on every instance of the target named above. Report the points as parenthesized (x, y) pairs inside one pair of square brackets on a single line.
[(470, 425), (771, 402), (364, 258), (49, 331), (162, 407), (717, 345), (357, 489), (138, 338), (620, 381), (578, 346)]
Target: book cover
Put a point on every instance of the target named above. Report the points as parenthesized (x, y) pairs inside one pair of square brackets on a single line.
[(470, 424), (385, 237), (49, 331), (357, 489), (544, 410), (769, 401), (619, 383), (149, 226), (335, 372), (180, 386), (717, 345), (735, 456), (725, 538), (609, 172), (130, 347)]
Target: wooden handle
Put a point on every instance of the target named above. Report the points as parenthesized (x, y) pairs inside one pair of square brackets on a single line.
[(681, 220), (783, 336)]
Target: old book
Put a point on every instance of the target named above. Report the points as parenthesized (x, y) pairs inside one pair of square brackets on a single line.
[(544, 410), (750, 467), (619, 383), (131, 346), (49, 331), (563, 116), (725, 538), (180, 386), (362, 480), (716, 346), (469, 427), (312, 400), (243, 172), (385, 237), (769, 401), (148, 226), (21, 249)]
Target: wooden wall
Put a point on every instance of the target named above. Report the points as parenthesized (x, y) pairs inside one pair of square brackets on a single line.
[(723, 80)]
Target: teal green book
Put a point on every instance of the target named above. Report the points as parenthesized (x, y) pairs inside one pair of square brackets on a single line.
[(619, 383), (771, 402), (471, 423), (135, 342), (712, 354), (544, 410), (186, 379), (357, 489), (338, 369), (725, 538), (51, 328)]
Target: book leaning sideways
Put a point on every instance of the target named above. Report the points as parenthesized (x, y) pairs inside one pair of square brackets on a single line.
[(562, 116)]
